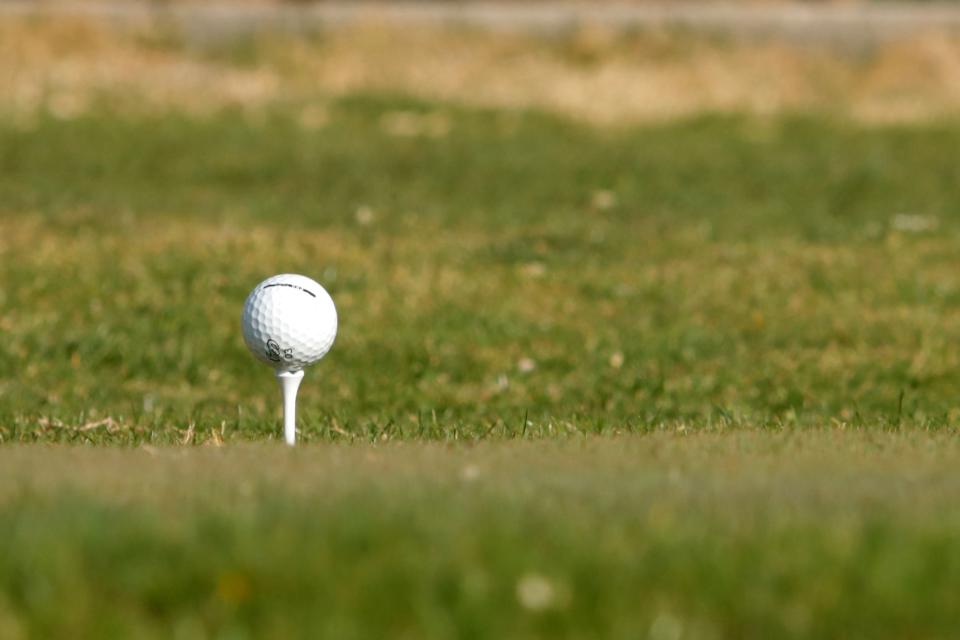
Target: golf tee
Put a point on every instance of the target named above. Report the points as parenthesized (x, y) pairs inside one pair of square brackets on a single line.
[(289, 383)]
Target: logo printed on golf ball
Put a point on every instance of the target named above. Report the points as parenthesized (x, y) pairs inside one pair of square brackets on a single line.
[(289, 322), (273, 352)]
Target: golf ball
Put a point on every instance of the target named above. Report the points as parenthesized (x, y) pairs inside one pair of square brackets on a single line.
[(289, 321)]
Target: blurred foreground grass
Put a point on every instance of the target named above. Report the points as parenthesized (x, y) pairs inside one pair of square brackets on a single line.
[(743, 535)]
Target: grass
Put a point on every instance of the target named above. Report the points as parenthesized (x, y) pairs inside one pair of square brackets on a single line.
[(593, 74), (687, 379), (746, 535), (713, 272)]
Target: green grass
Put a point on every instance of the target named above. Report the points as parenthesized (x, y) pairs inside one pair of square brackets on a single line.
[(713, 272), (687, 380), (744, 535)]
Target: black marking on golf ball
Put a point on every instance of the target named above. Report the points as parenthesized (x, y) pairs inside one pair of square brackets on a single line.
[(273, 351), (276, 353), (292, 286)]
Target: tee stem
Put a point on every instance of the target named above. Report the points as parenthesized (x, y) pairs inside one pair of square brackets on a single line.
[(289, 383)]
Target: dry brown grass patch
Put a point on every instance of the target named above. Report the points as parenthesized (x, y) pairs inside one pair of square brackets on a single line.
[(64, 65), (600, 76)]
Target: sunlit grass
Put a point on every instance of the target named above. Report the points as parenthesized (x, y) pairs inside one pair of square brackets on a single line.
[(595, 74), (715, 272), (680, 380)]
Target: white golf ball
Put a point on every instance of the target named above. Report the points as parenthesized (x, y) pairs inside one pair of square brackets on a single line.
[(289, 321)]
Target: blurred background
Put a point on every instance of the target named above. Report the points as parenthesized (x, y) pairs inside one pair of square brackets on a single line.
[(612, 62)]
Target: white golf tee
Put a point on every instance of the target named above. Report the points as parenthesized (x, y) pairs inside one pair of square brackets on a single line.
[(289, 383)]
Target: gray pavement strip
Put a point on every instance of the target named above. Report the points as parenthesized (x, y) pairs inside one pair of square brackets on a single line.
[(852, 25)]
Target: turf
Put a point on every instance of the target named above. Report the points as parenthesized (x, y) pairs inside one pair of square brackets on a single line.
[(743, 535), (711, 272), (679, 380)]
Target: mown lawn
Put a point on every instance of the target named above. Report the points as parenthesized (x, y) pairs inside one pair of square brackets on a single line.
[(686, 380), (745, 534), (487, 266)]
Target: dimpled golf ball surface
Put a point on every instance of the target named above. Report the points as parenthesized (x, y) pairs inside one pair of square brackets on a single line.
[(289, 321)]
